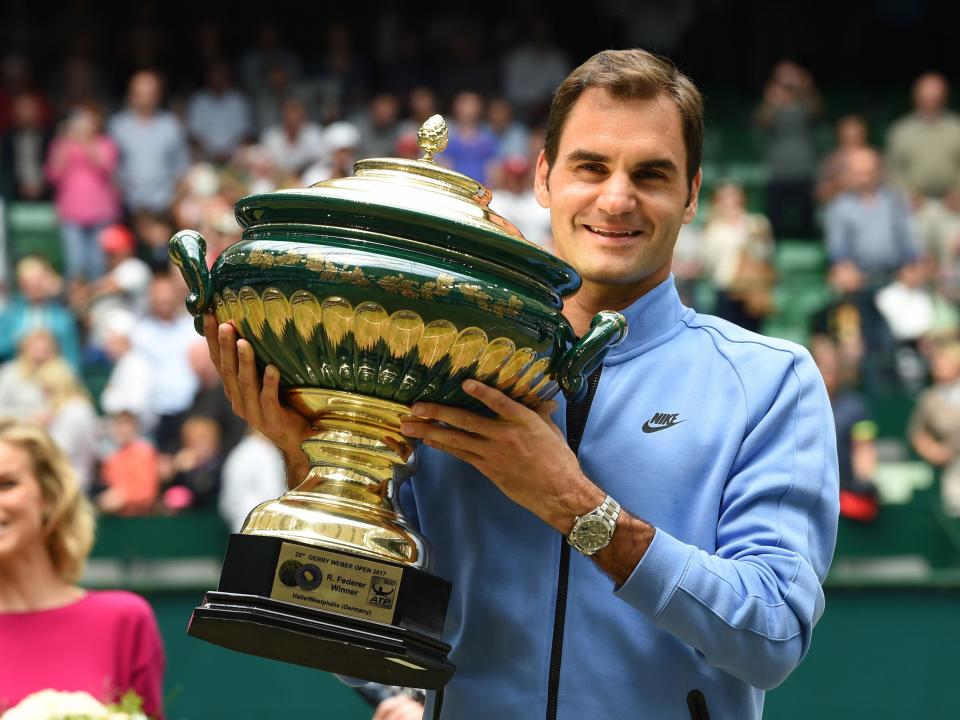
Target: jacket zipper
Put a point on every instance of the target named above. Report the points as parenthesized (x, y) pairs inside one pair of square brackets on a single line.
[(576, 423)]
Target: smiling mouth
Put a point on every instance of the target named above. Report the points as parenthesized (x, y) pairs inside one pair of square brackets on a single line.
[(612, 233)]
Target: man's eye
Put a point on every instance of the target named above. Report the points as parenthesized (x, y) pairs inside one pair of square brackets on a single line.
[(591, 168), (649, 175)]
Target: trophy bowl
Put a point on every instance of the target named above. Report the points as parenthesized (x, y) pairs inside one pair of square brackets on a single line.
[(369, 293)]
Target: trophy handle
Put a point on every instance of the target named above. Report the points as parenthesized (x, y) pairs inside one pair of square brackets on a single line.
[(607, 329), (188, 252)]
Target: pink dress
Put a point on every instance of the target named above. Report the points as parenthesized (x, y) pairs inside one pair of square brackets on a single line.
[(85, 190), (105, 643)]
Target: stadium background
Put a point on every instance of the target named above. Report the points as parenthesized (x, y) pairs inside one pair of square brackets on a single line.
[(886, 646)]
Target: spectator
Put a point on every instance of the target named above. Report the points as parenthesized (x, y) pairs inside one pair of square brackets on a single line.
[(737, 254), (856, 432), (532, 71), (210, 400), (268, 98), (153, 231), (340, 73), (124, 286), (71, 419), (379, 127), (218, 116), (297, 142), (341, 139), (252, 474), (851, 135), (512, 137), (869, 237), (81, 168), (516, 201), (934, 427), (164, 338), (422, 104), (129, 473), (153, 148), (130, 384), (22, 151), (923, 159), (21, 395), (257, 170), (869, 232), (193, 472), (786, 117), (268, 55), (471, 147), (914, 311), (36, 306), (47, 622)]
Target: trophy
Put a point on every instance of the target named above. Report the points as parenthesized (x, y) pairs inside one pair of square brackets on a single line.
[(370, 293)]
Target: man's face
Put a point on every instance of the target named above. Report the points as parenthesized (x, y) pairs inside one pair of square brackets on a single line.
[(618, 191), (144, 92), (930, 94)]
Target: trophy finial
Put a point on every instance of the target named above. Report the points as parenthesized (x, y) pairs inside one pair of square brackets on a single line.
[(432, 137)]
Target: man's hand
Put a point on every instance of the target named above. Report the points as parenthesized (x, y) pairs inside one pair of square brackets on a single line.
[(399, 707), (521, 450), (256, 401)]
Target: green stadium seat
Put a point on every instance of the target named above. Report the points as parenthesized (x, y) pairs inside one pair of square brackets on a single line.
[(33, 229)]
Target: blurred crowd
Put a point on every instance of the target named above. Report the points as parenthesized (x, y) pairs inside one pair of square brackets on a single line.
[(126, 169)]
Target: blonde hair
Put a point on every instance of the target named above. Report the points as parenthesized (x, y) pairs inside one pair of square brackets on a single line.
[(70, 521), (59, 382)]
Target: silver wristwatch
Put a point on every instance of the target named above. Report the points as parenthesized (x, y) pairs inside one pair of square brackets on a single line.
[(592, 532)]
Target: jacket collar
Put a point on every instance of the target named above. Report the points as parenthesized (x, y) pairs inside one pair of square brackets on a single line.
[(650, 317)]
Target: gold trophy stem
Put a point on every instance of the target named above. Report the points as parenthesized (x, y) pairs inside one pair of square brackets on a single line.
[(358, 459)]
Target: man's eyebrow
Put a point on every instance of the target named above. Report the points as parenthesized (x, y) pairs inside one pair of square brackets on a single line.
[(657, 164), (586, 155), (590, 156)]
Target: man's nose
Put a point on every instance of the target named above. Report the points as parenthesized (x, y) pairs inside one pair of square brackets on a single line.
[(617, 195)]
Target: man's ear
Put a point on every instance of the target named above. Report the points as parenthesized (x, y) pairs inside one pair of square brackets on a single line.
[(541, 180), (693, 201)]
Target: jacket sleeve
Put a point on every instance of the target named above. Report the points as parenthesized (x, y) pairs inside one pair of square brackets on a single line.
[(749, 607)]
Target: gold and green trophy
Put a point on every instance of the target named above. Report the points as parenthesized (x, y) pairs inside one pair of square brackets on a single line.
[(370, 293)]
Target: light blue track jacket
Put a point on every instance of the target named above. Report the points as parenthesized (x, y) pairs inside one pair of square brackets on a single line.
[(742, 490)]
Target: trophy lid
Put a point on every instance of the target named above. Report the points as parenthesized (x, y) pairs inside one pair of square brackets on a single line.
[(419, 199)]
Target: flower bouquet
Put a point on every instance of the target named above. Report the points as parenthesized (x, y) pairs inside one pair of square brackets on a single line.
[(57, 705)]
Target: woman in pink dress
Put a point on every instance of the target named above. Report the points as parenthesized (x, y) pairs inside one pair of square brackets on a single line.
[(54, 634), (80, 166)]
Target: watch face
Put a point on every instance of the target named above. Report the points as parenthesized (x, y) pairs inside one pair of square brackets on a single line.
[(593, 534)]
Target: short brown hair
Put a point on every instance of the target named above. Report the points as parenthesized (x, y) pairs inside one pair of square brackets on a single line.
[(70, 521), (631, 74)]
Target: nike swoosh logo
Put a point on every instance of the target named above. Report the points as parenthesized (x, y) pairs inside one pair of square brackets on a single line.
[(648, 428)]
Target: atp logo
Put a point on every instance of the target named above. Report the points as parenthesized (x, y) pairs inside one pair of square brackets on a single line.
[(382, 591)]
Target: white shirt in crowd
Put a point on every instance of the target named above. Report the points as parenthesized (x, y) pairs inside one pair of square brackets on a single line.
[(252, 473), (165, 347), (219, 123)]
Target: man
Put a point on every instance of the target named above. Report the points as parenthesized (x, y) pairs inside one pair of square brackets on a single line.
[(923, 159), (219, 118), (869, 237), (153, 147), (716, 444)]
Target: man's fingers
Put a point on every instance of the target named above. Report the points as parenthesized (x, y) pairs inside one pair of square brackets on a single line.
[(494, 399), (248, 384), (437, 436), (227, 340), (459, 453), (456, 417), (213, 342)]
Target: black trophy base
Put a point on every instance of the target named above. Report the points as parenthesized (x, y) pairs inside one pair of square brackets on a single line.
[(242, 615)]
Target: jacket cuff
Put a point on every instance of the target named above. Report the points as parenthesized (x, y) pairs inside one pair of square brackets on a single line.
[(657, 575)]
